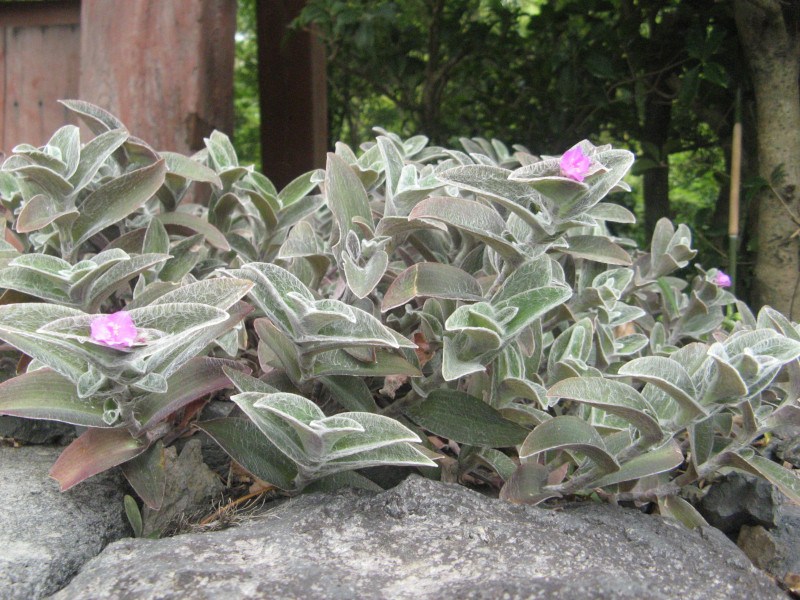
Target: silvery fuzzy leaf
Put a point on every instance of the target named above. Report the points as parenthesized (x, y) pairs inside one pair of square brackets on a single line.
[(97, 119), (339, 362), (465, 419), (345, 195), (297, 189), (668, 375), (302, 241), (622, 314), (614, 213), (90, 382), (614, 397), (249, 447), (653, 462), (45, 264), (221, 151), (454, 366), (19, 324), (277, 430), (537, 273), (34, 283), (185, 256), (479, 220), (101, 286), (185, 168), (432, 280), (575, 342), (393, 166), (45, 180), (488, 180), (156, 238), (271, 292), (572, 434), (630, 344), (362, 280), (762, 342), (169, 358), (151, 382), (299, 210), (280, 345), (400, 454), (94, 154), (499, 462), (785, 480), (218, 292), (616, 280), (477, 317), (532, 305), (315, 315), (726, 384), (596, 248), (42, 210), (351, 392), (364, 330), (185, 220), (116, 199), (45, 394), (617, 163)]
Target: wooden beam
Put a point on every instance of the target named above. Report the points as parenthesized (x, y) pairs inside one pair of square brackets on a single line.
[(40, 14), (292, 92)]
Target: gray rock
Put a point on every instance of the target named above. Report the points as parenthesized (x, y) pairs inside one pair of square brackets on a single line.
[(788, 447), (739, 499), (191, 485), (33, 431), (46, 535), (429, 540), (213, 455), (776, 551)]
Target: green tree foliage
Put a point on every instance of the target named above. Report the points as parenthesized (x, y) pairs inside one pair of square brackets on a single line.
[(656, 76), (247, 119)]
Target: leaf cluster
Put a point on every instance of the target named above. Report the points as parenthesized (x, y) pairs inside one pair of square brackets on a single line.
[(407, 298)]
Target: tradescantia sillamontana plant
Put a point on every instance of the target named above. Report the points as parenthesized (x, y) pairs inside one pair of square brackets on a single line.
[(474, 296)]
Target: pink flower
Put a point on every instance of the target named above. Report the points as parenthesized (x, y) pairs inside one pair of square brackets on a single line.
[(116, 330), (722, 279), (574, 164)]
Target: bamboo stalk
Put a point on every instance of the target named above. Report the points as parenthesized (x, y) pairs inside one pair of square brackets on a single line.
[(736, 177)]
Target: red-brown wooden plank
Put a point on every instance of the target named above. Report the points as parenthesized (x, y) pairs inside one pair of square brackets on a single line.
[(40, 14), (42, 65), (164, 67)]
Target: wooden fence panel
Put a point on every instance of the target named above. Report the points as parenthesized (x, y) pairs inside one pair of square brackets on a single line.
[(39, 65), (164, 67)]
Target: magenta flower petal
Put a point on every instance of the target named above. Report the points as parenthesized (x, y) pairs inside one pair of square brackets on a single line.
[(574, 164), (116, 330), (722, 279)]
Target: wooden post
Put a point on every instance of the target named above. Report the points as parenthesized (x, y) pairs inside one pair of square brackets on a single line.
[(292, 93), (164, 67)]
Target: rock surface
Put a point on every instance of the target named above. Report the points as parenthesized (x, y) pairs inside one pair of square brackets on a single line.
[(738, 499), (777, 550), (428, 540), (31, 431), (46, 535), (191, 485)]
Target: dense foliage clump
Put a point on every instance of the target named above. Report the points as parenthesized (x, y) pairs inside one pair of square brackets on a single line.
[(472, 301)]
